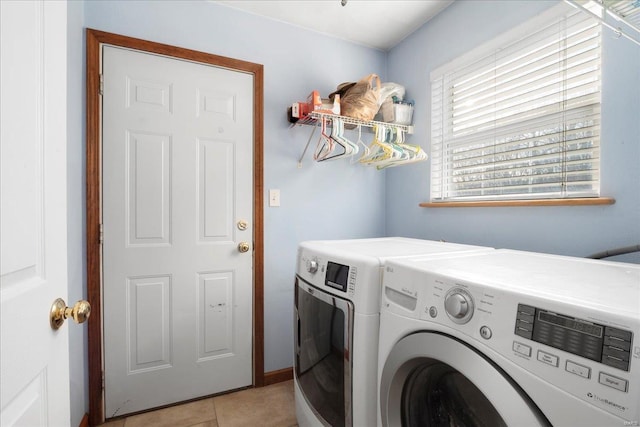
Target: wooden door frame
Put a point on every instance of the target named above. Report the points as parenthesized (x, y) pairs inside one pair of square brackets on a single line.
[(95, 39)]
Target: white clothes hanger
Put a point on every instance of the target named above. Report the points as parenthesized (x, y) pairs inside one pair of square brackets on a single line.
[(335, 145), (360, 143)]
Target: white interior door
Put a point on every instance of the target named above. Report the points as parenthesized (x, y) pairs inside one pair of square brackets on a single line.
[(177, 180), (34, 358)]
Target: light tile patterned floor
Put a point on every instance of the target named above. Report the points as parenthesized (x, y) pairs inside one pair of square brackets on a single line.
[(271, 406)]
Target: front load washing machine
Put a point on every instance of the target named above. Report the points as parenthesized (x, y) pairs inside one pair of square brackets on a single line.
[(337, 314), (510, 338)]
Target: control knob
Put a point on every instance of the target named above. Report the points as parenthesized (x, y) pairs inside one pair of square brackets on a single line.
[(312, 266), (458, 305)]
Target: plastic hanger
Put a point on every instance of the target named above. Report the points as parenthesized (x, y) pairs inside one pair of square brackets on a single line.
[(410, 153), (360, 143), (378, 149), (325, 144), (352, 147)]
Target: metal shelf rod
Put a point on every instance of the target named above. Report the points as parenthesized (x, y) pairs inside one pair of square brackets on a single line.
[(351, 121), (306, 147)]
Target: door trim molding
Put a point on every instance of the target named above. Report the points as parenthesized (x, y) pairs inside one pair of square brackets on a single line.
[(95, 39)]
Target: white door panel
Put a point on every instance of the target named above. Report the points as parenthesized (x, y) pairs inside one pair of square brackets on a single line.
[(177, 162), (34, 358)]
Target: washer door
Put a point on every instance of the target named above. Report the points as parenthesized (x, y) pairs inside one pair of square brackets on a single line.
[(432, 379)]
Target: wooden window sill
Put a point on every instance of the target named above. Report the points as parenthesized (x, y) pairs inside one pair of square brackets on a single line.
[(537, 202)]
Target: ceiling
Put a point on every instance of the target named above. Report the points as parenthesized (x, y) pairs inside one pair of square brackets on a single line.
[(380, 24)]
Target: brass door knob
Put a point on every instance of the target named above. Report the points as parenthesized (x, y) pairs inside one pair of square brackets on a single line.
[(243, 247), (80, 312)]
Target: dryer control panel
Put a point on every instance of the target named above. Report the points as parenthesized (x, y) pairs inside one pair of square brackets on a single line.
[(355, 278), (338, 277), (332, 275)]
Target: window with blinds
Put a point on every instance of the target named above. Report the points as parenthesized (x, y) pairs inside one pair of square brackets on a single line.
[(521, 121)]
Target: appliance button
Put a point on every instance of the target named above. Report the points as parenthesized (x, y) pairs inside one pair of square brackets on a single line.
[(433, 312), (525, 326), (312, 266), (618, 333), (485, 332), (523, 349), (580, 370), (526, 309), (526, 318), (613, 382), (615, 362), (524, 333), (547, 358)]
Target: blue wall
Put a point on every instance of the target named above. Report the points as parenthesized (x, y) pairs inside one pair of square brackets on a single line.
[(572, 230)]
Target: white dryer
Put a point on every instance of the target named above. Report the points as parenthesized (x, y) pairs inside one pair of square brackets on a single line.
[(510, 338), (337, 314)]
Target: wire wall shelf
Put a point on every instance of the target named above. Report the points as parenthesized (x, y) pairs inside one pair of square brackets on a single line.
[(315, 119)]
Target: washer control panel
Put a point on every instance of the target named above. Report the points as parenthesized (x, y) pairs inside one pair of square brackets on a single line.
[(591, 359), (594, 361), (605, 344)]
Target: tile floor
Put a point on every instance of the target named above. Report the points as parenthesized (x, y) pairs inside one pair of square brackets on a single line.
[(271, 406)]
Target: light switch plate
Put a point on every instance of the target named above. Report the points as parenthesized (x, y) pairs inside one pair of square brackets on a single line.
[(274, 198)]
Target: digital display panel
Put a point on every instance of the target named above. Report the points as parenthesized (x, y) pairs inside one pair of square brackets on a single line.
[(337, 275), (573, 324)]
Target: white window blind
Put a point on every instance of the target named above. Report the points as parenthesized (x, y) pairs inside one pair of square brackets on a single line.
[(523, 121)]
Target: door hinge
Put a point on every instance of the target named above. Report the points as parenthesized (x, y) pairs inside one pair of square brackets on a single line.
[(101, 84), (101, 234), (103, 380)]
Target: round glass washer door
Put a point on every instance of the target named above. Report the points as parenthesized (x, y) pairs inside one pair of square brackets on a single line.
[(431, 379)]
